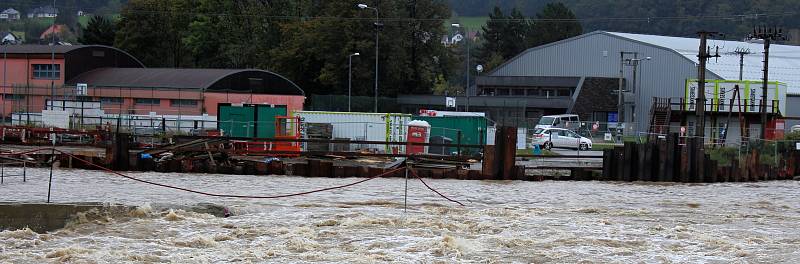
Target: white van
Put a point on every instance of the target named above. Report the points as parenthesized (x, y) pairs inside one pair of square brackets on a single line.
[(559, 121)]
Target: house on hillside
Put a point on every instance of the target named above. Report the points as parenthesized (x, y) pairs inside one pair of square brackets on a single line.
[(9, 38), (9, 14), (45, 11)]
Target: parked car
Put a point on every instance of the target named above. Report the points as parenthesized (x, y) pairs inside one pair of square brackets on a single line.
[(560, 121), (549, 138)]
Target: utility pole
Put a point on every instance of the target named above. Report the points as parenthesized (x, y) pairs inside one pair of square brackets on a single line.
[(768, 35), (741, 52), (620, 95), (700, 106)]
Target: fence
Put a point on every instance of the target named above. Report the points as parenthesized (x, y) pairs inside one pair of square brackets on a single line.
[(339, 103)]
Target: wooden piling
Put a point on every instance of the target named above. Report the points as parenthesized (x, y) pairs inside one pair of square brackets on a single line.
[(619, 161), (608, 165), (629, 159), (314, 168)]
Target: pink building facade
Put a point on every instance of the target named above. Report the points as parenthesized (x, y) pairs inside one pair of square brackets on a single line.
[(32, 74)]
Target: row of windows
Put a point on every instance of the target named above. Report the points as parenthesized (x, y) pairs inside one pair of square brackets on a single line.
[(118, 100), (46, 71), (537, 91)]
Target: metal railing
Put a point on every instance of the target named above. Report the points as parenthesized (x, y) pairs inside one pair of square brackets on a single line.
[(6, 163)]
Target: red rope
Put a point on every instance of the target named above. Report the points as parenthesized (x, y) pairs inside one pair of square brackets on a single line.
[(434, 190), (215, 194), (414, 172)]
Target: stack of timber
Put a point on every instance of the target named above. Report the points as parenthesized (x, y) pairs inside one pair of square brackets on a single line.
[(319, 131)]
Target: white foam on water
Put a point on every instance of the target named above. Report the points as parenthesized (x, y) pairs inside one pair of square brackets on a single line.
[(502, 222)]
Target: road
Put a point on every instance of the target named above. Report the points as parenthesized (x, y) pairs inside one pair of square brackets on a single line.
[(573, 152)]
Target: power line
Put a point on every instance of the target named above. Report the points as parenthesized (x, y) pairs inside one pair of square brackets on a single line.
[(752, 16)]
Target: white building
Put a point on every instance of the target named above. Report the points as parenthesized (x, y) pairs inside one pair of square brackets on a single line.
[(9, 14), (43, 12)]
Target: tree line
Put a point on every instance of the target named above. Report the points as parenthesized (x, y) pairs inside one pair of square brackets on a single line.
[(309, 41), (610, 15)]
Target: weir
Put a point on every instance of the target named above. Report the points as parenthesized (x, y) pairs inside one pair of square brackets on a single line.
[(43, 217)]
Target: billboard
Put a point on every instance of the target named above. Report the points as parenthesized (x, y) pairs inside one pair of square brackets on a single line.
[(720, 92)]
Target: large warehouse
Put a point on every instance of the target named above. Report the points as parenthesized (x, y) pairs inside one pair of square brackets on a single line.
[(580, 75)]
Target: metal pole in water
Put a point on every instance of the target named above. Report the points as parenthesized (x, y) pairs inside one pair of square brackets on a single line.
[(405, 196), (24, 171), (52, 162), (2, 173)]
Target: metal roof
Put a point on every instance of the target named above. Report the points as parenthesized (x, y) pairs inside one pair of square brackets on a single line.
[(784, 60), (153, 77), (164, 77), (10, 11), (45, 49)]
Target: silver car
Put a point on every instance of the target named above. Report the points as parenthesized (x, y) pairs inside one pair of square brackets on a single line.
[(549, 138)]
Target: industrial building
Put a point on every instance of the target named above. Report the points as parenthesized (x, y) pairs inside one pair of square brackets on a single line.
[(31, 75), (581, 75)]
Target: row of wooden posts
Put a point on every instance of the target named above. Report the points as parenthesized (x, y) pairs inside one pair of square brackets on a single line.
[(665, 160)]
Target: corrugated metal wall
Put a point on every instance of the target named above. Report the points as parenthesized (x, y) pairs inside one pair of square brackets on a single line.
[(361, 126), (792, 110), (597, 54)]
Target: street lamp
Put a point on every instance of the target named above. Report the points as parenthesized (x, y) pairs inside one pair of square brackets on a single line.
[(350, 79), (465, 37), (5, 68), (377, 30)]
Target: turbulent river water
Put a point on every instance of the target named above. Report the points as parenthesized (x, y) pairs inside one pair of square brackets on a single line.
[(501, 222)]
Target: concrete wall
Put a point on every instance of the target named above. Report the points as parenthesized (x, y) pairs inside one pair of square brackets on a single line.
[(45, 217)]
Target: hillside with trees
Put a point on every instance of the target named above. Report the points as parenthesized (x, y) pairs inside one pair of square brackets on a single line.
[(666, 17), (307, 41)]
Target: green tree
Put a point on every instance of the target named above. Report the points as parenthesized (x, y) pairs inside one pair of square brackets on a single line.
[(504, 37), (492, 34), (546, 31), (100, 31), (516, 33), (314, 52), (153, 31)]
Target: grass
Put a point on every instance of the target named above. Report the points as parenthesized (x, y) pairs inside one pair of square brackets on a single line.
[(530, 151), (603, 146), (84, 20)]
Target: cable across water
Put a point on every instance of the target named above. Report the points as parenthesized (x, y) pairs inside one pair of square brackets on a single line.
[(232, 195)]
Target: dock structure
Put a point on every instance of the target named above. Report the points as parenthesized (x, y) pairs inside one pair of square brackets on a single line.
[(660, 159)]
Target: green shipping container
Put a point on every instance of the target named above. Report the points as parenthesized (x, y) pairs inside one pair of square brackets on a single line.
[(249, 120), (473, 129)]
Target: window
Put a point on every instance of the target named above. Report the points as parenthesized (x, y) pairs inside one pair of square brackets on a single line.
[(518, 91), (183, 102), (502, 92), (563, 92), (13, 97), (533, 92), (110, 100), (148, 101), (546, 120), (46, 71), (255, 83)]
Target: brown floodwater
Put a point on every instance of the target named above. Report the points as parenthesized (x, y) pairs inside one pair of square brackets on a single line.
[(501, 222)]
